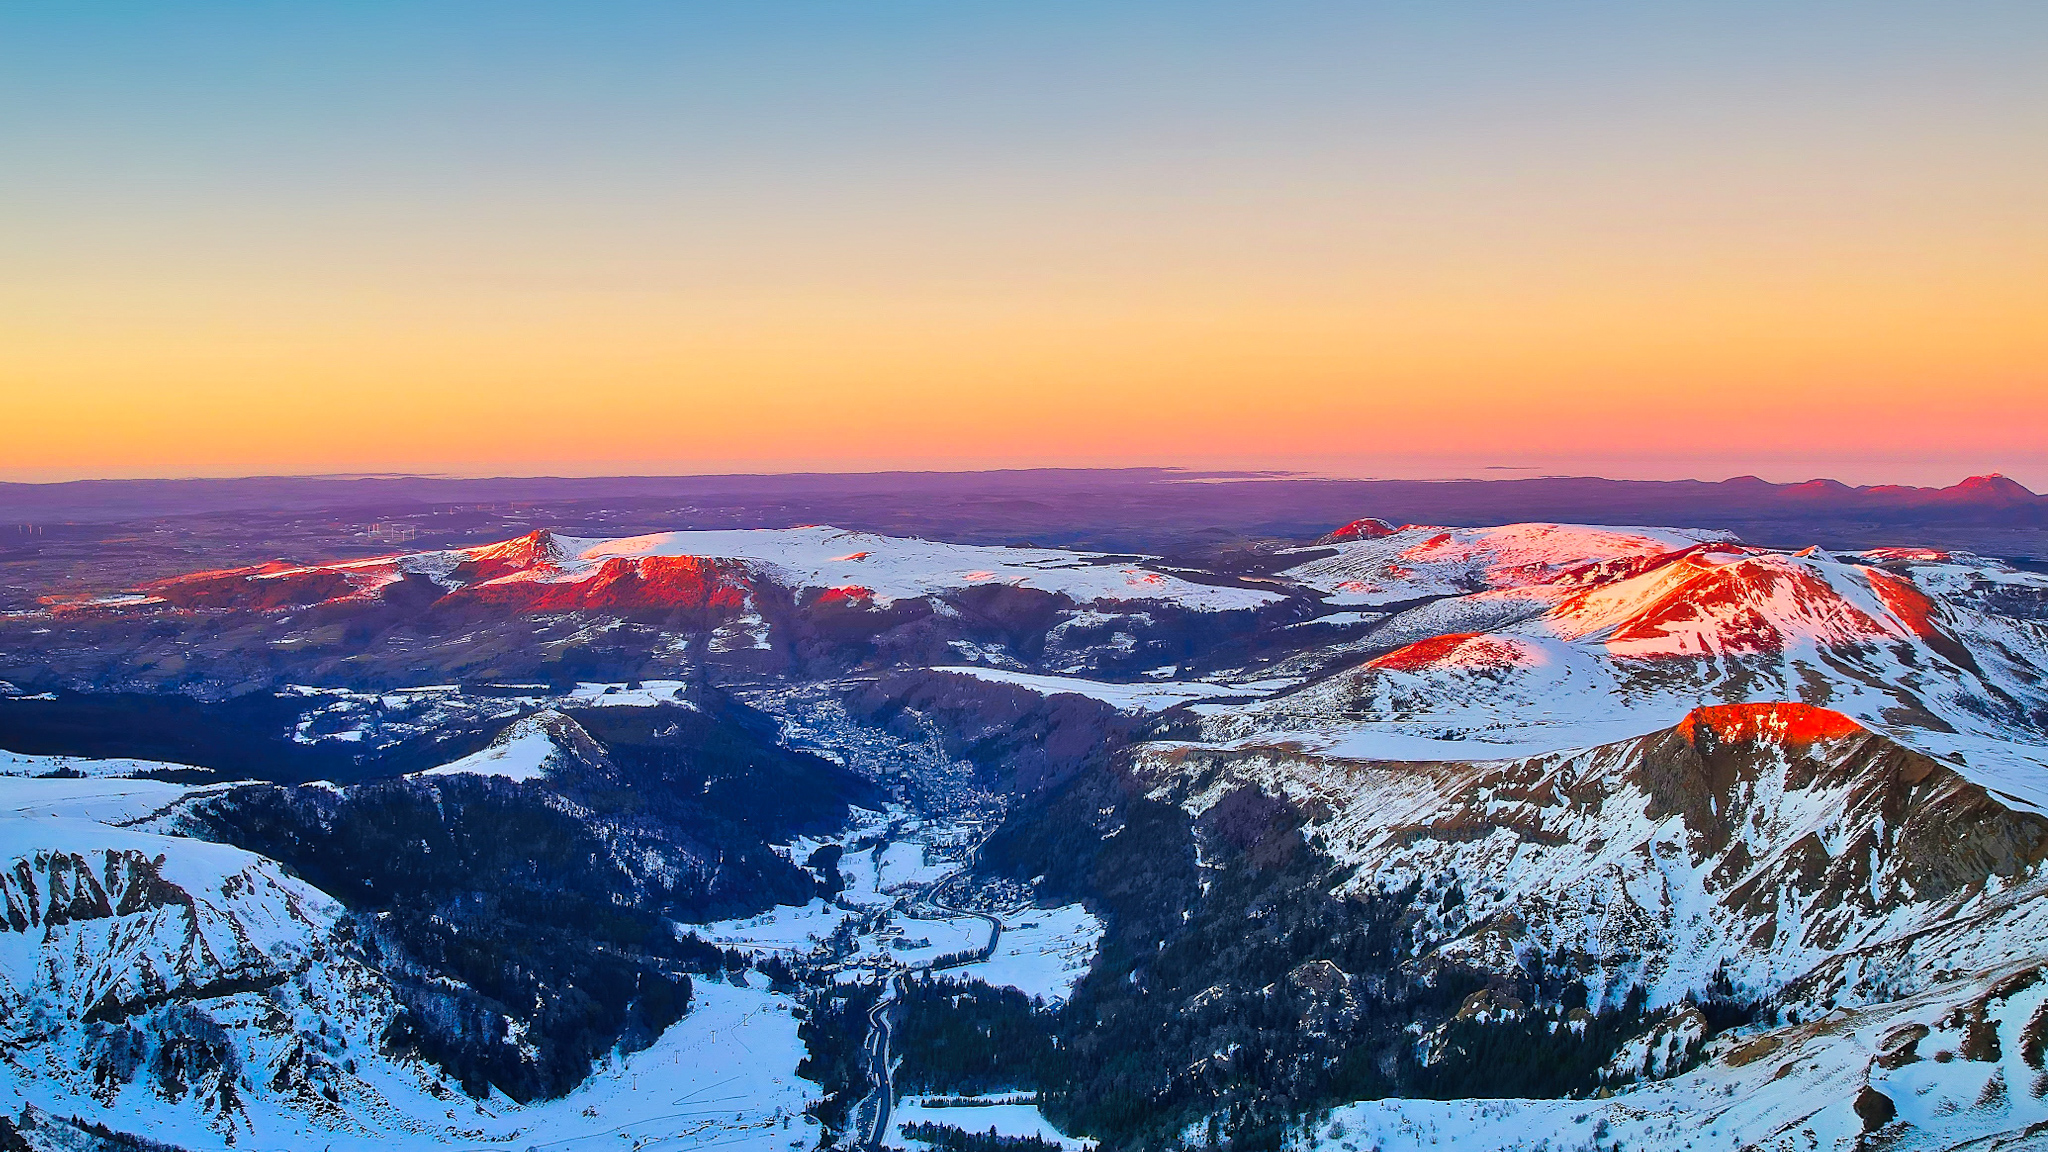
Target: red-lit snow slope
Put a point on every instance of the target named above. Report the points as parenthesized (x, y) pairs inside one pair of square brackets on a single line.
[(1375, 567), (1531, 638), (686, 570)]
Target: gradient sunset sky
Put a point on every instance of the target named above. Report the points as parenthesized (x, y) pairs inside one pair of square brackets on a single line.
[(1381, 239)]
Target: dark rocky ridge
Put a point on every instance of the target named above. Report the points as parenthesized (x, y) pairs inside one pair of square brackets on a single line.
[(548, 903)]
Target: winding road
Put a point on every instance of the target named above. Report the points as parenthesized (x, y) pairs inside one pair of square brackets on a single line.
[(870, 1121), (949, 912)]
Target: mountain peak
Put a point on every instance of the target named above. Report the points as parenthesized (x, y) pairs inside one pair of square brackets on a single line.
[(1818, 489), (1782, 723), (1991, 487), (1363, 528), (536, 547)]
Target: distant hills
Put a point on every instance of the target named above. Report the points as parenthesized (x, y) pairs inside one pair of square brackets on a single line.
[(1149, 509)]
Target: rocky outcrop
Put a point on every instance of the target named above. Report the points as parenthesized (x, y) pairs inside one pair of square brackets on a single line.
[(1753, 843), (153, 962)]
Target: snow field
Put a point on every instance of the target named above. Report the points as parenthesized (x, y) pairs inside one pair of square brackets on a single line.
[(895, 568), (1423, 561), (1155, 696), (786, 929), (1789, 1088), (902, 864), (521, 752), (1043, 952), (105, 800), (724, 1076), (21, 764), (647, 695), (942, 937), (1006, 1119)]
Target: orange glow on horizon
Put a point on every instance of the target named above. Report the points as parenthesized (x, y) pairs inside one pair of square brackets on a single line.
[(690, 385)]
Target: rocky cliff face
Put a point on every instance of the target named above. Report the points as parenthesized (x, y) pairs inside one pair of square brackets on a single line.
[(195, 978), (1751, 843)]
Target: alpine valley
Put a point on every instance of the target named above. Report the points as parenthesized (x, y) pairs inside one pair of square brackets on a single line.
[(1524, 835)]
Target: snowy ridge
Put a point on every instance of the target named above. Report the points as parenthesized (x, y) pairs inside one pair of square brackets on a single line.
[(1757, 841), (704, 570), (192, 915), (889, 568), (1418, 561), (21, 764), (145, 971), (525, 750), (1565, 646), (1143, 697), (196, 993)]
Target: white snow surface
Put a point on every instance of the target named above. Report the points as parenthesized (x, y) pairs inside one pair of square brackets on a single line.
[(787, 928), (1006, 1119), (649, 693), (1043, 952), (896, 568), (1790, 1089), (1151, 696), (23, 764), (723, 1076), (902, 864), (522, 752), (941, 936), (110, 800), (1422, 560)]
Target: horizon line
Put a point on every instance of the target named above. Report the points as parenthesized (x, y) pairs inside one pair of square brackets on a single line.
[(1172, 473)]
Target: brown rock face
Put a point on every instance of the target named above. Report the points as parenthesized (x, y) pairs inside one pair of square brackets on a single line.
[(51, 888), (1875, 1108)]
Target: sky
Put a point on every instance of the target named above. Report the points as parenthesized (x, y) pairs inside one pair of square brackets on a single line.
[(1363, 238)]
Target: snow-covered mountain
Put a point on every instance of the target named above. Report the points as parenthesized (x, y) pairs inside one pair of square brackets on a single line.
[(1889, 911), (1707, 837), (196, 984), (202, 995), (1755, 846), (543, 571), (1598, 765), (810, 602), (1535, 638)]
